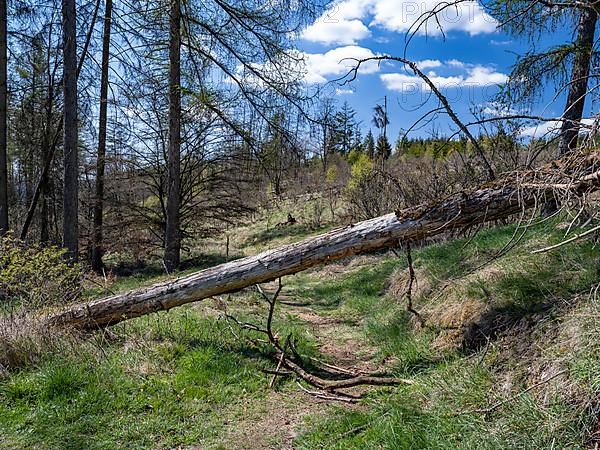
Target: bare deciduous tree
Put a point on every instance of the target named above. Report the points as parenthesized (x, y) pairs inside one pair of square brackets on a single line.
[(70, 136), (3, 119), (97, 247)]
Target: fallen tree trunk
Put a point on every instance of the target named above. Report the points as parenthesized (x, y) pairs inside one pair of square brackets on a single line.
[(514, 193)]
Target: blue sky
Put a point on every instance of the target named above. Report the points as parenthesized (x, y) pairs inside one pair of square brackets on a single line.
[(467, 63)]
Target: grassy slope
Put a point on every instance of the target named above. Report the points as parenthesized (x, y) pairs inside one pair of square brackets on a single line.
[(183, 378), (546, 322)]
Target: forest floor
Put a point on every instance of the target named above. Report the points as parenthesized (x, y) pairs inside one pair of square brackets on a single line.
[(508, 356)]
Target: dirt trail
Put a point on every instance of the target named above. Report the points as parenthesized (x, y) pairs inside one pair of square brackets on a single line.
[(275, 422), (339, 340), (272, 423)]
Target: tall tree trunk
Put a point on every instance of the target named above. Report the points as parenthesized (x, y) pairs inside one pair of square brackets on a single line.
[(97, 247), (579, 81), (3, 120), (44, 214), (172, 232), (44, 181), (71, 167), (42, 184), (48, 146)]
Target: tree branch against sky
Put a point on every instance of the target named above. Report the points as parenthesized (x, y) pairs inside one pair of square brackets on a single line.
[(467, 49)]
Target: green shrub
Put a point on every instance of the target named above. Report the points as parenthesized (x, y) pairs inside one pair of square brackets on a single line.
[(32, 277)]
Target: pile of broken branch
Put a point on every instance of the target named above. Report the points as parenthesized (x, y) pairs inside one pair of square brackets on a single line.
[(331, 382)]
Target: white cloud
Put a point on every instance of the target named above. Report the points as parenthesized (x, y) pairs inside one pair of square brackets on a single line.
[(404, 15), (344, 32), (429, 64), (484, 76), (339, 91), (402, 82), (496, 42), (344, 22), (311, 68), (542, 129), (495, 109), (319, 67), (472, 76), (455, 63), (550, 128)]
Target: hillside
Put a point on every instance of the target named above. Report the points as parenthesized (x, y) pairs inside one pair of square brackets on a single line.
[(505, 355)]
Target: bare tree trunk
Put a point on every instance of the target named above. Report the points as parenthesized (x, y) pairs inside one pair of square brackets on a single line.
[(44, 213), (3, 120), (97, 247), (579, 81), (48, 148), (493, 201), (42, 187), (172, 232), (71, 166)]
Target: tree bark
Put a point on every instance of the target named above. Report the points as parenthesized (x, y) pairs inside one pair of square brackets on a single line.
[(49, 143), (3, 120), (493, 201), (42, 187), (172, 232), (97, 246), (71, 166), (579, 81), (42, 184)]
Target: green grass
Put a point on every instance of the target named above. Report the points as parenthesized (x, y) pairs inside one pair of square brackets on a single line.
[(182, 378), (162, 383), (159, 382)]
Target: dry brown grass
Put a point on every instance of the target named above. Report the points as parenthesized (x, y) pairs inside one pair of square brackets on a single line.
[(453, 317), (399, 280), (24, 341)]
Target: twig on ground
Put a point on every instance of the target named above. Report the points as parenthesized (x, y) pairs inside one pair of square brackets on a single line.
[(279, 364), (568, 241), (293, 363), (325, 396)]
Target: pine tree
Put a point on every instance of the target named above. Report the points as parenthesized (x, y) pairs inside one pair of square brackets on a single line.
[(526, 81), (358, 144), (3, 120), (97, 247), (344, 126), (369, 145), (70, 150), (383, 149), (172, 229), (402, 143)]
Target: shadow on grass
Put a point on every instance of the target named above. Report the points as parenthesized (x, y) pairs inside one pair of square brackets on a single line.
[(531, 294), (202, 262), (518, 320), (397, 339)]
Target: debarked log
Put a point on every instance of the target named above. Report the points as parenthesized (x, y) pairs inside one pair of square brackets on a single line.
[(513, 193)]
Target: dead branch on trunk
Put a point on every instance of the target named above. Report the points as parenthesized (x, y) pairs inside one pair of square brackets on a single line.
[(574, 176), (441, 97)]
